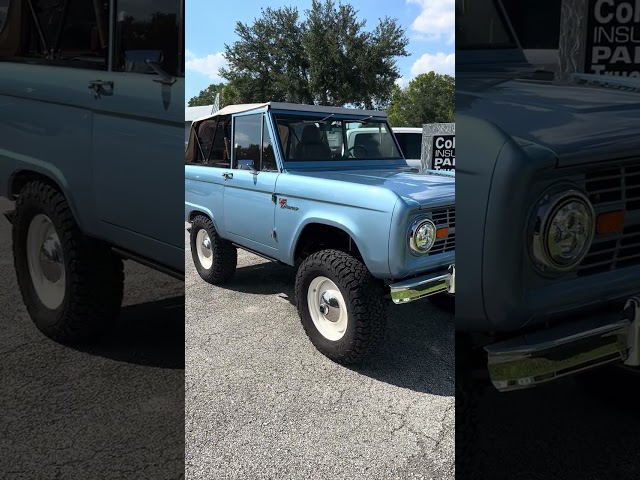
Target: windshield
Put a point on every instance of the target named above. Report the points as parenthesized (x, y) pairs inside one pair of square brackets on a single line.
[(480, 24), (312, 138)]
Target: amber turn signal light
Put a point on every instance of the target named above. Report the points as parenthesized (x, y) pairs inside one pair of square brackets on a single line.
[(442, 232), (610, 223)]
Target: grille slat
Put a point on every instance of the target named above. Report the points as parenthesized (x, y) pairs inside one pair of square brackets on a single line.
[(614, 189), (445, 217)]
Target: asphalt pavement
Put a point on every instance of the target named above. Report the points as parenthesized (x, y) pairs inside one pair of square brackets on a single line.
[(263, 403), (111, 410)]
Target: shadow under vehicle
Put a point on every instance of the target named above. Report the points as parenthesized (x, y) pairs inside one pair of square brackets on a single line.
[(549, 225), (292, 183), (91, 95)]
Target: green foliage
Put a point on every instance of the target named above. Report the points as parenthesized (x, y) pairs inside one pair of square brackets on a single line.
[(328, 58), (429, 98), (228, 95)]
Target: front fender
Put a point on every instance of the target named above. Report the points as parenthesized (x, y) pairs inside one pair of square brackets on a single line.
[(479, 146)]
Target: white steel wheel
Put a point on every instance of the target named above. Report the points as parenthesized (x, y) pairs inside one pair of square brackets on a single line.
[(204, 250), (46, 262), (327, 308)]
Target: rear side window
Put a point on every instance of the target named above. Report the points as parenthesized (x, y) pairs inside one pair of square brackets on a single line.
[(72, 33), (410, 144)]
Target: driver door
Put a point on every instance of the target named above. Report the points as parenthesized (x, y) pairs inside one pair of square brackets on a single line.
[(249, 206), (138, 132)]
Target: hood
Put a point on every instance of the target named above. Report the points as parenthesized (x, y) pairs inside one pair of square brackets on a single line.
[(425, 189), (581, 122)]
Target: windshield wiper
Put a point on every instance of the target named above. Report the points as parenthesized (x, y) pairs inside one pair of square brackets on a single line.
[(361, 120), (324, 120)]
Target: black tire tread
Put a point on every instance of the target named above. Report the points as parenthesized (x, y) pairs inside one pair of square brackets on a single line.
[(364, 294), (95, 274), (225, 254)]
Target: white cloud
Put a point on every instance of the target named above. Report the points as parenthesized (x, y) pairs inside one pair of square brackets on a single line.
[(402, 82), (439, 63), (208, 65), (436, 20)]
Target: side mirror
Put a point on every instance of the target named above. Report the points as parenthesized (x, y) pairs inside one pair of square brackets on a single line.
[(247, 165), (147, 61)]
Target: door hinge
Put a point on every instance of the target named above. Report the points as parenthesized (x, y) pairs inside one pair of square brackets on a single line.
[(274, 198), (274, 235)]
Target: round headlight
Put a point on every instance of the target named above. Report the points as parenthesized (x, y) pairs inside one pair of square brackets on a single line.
[(422, 236), (565, 226)]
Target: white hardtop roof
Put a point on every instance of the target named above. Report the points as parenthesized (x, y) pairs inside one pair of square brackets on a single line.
[(195, 113), (294, 106)]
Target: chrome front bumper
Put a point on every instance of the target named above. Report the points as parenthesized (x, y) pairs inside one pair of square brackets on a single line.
[(423, 286), (550, 354)]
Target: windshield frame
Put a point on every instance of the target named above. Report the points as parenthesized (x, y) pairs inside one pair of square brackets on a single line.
[(293, 163)]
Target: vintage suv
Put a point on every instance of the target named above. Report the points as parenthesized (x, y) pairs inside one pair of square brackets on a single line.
[(281, 181), (91, 102), (549, 218)]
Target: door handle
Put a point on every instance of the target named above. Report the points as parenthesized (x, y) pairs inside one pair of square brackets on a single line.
[(101, 87), (227, 175)]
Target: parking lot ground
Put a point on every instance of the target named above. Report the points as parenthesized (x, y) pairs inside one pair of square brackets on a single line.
[(111, 410), (262, 402), (563, 430)]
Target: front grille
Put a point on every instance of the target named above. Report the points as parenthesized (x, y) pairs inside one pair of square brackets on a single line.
[(444, 217), (613, 189)]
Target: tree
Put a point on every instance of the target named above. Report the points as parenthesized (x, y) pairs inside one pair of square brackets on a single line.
[(329, 58), (429, 98), (228, 95), (206, 96)]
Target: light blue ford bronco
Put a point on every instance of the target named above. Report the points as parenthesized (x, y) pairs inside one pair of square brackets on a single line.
[(282, 181), (91, 102)]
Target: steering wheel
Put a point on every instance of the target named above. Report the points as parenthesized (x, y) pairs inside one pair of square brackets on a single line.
[(352, 154)]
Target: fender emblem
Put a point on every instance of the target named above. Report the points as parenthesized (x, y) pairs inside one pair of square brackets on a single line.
[(283, 204)]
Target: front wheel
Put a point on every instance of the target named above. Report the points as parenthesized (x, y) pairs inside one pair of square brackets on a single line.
[(72, 285), (341, 306)]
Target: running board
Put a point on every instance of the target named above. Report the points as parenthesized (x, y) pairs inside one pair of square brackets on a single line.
[(148, 263)]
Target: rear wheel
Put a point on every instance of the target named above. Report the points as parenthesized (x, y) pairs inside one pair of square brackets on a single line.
[(341, 306), (71, 284)]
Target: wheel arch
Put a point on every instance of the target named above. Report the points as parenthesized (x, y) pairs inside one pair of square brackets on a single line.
[(317, 235), (20, 178)]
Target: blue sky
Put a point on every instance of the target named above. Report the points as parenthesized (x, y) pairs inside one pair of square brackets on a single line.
[(429, 26)]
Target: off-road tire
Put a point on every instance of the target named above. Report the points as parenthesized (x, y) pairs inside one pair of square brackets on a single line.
[(225, 255), (94, 274), (364, 298)]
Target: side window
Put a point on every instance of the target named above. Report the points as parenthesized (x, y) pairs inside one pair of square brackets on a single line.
[(209, 143), (247, 136), (268, 155), (148, 30), (71, 33)]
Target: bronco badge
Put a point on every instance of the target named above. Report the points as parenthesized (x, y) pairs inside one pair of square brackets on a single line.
[(283, 204)]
